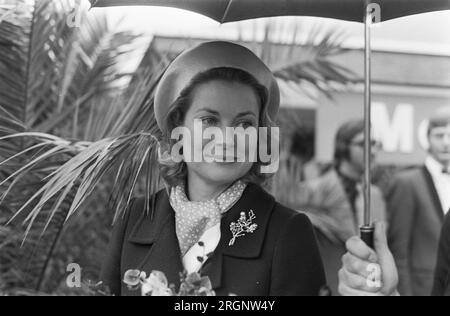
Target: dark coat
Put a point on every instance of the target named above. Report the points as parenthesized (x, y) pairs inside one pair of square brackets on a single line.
[(415, 221), (442, 274), (280, 258), (329, 209)]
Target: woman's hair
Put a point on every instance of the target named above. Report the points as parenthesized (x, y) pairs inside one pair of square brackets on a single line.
[(174, 173), (344, 137)]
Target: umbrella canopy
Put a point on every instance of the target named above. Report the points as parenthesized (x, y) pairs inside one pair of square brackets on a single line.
[(350, 10), (238, 10)]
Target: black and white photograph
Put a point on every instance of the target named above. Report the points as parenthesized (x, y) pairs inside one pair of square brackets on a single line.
[(243, 149)]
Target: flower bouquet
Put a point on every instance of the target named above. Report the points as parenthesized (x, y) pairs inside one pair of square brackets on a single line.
[(156, 284)]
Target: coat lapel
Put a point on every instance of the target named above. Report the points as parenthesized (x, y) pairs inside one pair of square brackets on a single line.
[(433, 193), (248, 246), (158, 236)]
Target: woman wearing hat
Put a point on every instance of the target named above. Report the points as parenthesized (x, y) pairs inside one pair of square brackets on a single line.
[(214, 217)]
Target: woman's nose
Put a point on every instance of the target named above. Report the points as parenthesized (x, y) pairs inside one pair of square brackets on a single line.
[(226, 138)]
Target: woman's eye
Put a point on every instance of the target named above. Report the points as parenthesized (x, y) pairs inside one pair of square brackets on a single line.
[(209, 121), (245, 124)]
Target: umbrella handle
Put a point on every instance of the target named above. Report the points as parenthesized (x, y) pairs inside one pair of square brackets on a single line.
[(367, 235)]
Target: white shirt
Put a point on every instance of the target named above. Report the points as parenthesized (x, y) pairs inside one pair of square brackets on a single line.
[(210, 240), (441, 182)]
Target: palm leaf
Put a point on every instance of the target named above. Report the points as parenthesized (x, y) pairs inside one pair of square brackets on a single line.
[(306, 57), (51, 75)]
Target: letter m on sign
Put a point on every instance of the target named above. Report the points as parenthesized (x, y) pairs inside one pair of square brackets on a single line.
[(397, 132)]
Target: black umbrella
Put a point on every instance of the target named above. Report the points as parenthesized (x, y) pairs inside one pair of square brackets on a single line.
[(238, 10), (366, 11)]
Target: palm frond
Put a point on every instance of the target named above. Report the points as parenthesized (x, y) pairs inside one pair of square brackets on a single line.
[(91, 161), (128, 154), (306, 57), (52, 78)]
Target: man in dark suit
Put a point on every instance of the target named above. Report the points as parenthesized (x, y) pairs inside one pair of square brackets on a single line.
[(417, 202)]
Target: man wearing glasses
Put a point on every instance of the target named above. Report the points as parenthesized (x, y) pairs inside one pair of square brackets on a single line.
[(335, 201)]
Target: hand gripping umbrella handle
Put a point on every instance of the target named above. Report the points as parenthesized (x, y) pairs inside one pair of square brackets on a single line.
[(367, 235)]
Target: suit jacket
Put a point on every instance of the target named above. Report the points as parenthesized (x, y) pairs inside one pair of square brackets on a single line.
[(415, 221), (327, 205), (280, 258), (442, 272)]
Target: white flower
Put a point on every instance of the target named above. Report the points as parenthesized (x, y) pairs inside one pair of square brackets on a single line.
[(132, 278), (156, 285)]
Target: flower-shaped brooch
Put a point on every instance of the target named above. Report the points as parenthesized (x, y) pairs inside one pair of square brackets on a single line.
[(243, 226)]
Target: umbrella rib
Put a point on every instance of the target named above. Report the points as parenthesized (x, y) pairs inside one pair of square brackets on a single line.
[(227, 10)]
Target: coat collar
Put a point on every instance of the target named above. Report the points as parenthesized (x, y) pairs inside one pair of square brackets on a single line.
[(148, 227), (147, 231), (433, 193), (159, 235), (154, 235), (249, 246)]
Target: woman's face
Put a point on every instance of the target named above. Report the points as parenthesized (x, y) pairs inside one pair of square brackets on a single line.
[(221, 104)]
